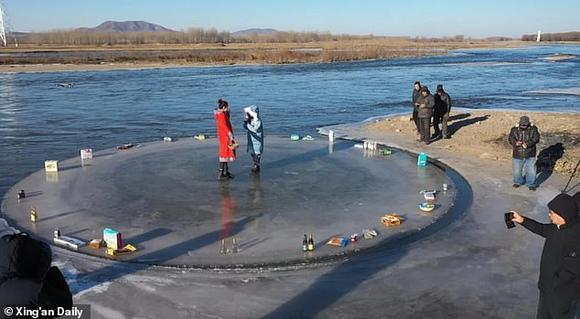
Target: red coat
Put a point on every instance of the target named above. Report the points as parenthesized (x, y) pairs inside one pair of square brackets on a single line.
[(225, 135)]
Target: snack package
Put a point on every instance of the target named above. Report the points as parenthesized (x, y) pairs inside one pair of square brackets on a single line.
[(338, 242), (391, 220)]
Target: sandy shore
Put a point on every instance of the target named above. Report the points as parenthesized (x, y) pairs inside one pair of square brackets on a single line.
[(483, 135)]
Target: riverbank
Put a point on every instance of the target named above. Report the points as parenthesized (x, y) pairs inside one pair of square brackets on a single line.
[(482, 135), (91, 58)]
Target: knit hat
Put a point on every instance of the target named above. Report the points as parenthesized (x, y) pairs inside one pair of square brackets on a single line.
[(524, 120), (424, 89), (565, 206), (439, 87)]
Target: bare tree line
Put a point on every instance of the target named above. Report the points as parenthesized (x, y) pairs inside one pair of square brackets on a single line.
[(190, 36), (566, 36), (78, 37)]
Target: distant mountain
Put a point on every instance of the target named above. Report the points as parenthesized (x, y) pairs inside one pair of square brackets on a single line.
[(243, 33), (126, 26)]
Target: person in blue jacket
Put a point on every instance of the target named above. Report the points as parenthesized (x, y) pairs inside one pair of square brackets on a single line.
[(253, 125)]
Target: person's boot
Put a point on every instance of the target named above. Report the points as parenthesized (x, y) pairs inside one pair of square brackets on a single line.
[(228, 174), (222, 175), (256, 169)]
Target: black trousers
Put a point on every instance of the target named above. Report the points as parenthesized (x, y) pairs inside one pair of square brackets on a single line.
[(416, 119), (556, 307), (425, 129), (440, 119)]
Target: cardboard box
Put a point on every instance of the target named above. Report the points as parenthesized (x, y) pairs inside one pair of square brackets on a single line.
[(112, 238), (86, 153), (51, 166)]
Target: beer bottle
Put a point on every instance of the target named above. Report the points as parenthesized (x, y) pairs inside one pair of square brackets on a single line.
[(235, 247), (223, 249), (305, 243), (310, 243), (33, 215)]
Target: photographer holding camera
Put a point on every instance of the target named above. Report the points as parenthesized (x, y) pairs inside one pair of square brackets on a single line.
[(559, 281)]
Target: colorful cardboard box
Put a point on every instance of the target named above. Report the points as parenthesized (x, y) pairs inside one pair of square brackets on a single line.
[(112, 238)]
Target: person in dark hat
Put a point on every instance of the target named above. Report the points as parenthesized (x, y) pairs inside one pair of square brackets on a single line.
[(441, 112), (425, 112), (559, 281), (416, 97), (523, 139)]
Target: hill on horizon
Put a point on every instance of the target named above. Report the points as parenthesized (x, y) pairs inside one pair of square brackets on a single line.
[(126, 26), (259, 31)]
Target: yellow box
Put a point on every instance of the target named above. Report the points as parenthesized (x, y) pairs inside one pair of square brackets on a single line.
[(51, 166)]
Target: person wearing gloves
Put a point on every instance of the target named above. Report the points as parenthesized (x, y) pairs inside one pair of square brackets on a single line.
[(253, 125), (559, 282)]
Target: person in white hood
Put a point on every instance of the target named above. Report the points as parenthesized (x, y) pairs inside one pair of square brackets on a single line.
[(253, 125)]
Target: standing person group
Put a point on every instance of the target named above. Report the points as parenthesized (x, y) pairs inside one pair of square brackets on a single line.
[(227, 142), (429, 109)]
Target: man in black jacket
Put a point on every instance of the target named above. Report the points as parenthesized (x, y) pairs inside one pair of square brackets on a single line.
[(416, 97), (441, 112), (426, 103), (559, 281), (523, 138)]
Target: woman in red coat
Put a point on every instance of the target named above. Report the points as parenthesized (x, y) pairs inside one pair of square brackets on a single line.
[(227, 143)]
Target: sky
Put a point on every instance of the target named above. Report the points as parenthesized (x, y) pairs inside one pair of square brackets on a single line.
[(428, 18)]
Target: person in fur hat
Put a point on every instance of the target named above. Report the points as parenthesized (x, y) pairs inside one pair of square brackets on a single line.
[(253, 124), (559, 281)]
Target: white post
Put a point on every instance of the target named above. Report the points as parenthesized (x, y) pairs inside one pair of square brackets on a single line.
[(539, 35), (2, 30)]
